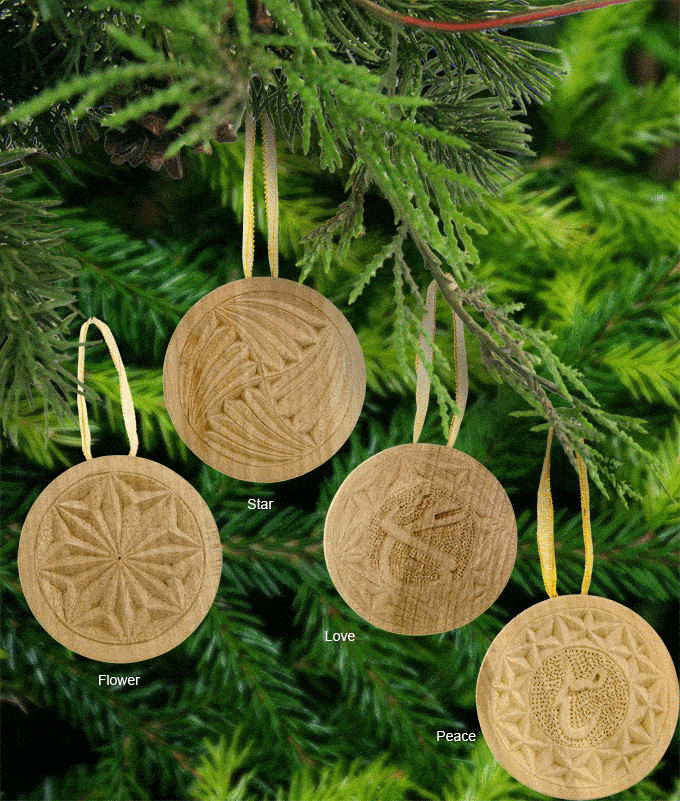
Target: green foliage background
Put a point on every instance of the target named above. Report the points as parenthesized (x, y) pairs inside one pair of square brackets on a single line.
[(255, 704)]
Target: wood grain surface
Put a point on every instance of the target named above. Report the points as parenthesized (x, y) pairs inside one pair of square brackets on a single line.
[(119, 559), (420, 539), (577, 697), (264, 379)]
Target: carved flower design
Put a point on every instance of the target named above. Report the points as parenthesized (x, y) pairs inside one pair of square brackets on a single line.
[(119, 558)]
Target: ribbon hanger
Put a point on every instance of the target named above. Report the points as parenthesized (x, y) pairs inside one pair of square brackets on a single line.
[(545, 525), (271, 195), (423, 377), (125, 394)]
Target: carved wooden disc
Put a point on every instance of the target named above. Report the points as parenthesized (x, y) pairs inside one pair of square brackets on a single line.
[(420, 539), (577, 697), (119, 559), (264, 379)]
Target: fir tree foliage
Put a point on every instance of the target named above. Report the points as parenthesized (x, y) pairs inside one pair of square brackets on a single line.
[(36, 308), (428, 120)]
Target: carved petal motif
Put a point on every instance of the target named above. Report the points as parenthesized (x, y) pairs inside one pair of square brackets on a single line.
[(119, 559)]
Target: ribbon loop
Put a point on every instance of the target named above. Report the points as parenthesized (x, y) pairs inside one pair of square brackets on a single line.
[(271, 195), (545, 528), (125, 394), (460, 357), (248, 248), (425, 345), (585, 521), (545, 531)]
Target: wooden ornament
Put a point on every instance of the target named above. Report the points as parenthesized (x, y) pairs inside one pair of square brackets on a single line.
[(577, 697), (420, 539), (119, 559), (264, 379)]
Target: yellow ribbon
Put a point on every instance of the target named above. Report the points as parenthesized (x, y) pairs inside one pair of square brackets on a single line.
[(545, 529), (271, 195), (423, 377), (248, 249), (125, 394)]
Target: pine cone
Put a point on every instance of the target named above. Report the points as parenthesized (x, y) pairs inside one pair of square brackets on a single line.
[(148, 140)]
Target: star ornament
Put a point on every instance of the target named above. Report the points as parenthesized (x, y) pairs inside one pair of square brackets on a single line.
[(577, 697), (119, 559), (264, 379)]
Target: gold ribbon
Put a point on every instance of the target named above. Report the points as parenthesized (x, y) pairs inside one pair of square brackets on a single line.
[(125, 394), (545, 529), (271, 195), (423, 377)]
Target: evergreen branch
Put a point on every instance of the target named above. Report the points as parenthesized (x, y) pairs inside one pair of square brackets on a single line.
[(594, 47), (640, 210), (123, 724), (516, 366), (632, 557), (649, 370), (506, 353), (29, 424), (389, 251), (383, 373), (37, 307), (374, 782), (646, 122), (482, 778), (247, 669), (383, 680), (256, 558), (117, 271), (661, 496), (346, 224), (63, 444), (93, 86), (215, 779), (146, 387)]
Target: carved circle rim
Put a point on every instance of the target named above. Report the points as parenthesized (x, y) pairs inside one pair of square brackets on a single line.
[(505, 639), (296, 466), (185, 624), (406, 451)]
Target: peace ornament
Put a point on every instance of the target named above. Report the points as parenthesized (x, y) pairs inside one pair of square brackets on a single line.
[(577, 697), (119, 557)]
